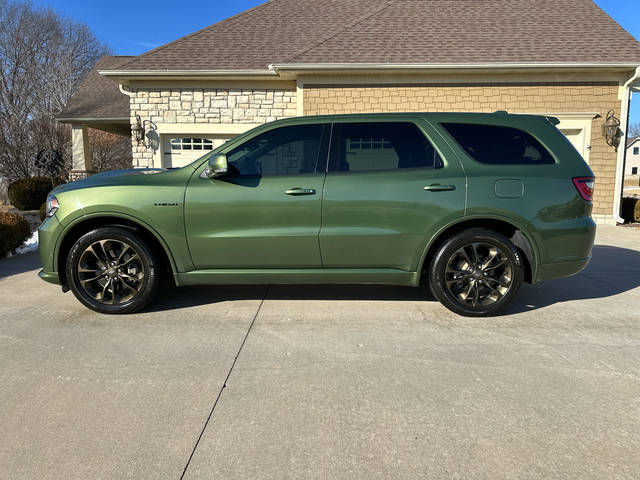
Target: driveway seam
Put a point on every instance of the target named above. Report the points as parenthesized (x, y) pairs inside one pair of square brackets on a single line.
[(224, 384)]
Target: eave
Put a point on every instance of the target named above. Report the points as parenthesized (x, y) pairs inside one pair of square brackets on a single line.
[(93, 119), (125, 76), (290, 71), (444, 68)]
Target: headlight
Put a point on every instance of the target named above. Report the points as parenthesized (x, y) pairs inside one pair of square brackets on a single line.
[(52, 205)]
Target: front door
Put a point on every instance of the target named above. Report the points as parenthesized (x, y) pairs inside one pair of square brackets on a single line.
[(387, 190), (267, 213)]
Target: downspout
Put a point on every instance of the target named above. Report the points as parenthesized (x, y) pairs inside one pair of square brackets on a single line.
[(130, 95), (622, 150)]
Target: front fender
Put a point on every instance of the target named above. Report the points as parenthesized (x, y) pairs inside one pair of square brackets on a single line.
[(179, 263), (158, 208)]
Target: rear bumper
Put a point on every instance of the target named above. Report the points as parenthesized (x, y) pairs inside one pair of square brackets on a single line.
[(549, 271), (566, 248)]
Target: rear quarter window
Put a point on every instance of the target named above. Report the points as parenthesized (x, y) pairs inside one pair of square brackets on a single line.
[(498, 145)]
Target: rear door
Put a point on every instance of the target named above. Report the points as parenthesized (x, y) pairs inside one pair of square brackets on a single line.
[(266, 215), (389, 187)]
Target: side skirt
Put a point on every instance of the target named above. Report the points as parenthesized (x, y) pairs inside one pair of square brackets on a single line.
[(380, 276)]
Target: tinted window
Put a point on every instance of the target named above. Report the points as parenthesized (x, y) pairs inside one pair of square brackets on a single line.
[(282, 151), (498, 145), (362, 147)]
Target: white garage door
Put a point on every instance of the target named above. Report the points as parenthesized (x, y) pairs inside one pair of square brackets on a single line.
[(179, 151)]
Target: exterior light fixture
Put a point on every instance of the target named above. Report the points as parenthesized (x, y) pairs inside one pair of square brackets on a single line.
[(138, 130), (611, 130)]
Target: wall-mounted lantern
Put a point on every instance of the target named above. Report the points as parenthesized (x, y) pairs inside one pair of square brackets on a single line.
[(611, 130), (138, 130)]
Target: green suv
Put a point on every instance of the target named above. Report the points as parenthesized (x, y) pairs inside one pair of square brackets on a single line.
[(471, 205)]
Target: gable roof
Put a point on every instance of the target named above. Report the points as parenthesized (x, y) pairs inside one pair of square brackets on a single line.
[(631, 141), (399, 32), (98, 97)]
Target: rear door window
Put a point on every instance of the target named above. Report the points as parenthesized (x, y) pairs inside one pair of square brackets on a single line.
[(371, 146), (498, 145)]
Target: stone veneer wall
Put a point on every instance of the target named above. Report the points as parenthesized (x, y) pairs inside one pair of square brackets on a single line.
[(207, 105), (563, 97)]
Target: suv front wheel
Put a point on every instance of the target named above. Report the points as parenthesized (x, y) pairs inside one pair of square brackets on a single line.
[(476, 272), (112, 270)]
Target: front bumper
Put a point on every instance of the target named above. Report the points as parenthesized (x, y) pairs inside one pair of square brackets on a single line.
[(51, 277), (48, 235)]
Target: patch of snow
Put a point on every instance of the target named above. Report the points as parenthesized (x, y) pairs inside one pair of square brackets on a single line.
[(30, 245)]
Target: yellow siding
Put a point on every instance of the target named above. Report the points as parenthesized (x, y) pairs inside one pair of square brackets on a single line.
[(515, 98)]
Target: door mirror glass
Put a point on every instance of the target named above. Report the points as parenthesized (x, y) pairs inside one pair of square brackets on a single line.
[(217, 166)]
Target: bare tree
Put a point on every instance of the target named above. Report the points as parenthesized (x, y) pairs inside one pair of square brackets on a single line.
[(109, 151), (634, 130), (43, 57)]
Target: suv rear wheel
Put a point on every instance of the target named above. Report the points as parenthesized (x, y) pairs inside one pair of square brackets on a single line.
[(476, 272), (111, 270)]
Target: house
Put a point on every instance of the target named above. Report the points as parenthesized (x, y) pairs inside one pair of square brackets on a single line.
[(632, 163), (283, 58)]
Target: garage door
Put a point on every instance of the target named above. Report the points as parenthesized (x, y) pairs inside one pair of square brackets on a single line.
[(179, 151)]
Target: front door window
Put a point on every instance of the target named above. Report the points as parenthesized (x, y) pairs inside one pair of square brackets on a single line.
[(291, 150)]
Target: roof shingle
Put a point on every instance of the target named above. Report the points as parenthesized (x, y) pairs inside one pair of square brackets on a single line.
[(97, 96), (400, 31)]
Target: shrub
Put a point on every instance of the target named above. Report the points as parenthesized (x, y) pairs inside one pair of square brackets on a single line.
[(30, 193), (43, 211), (14, 230), (630, 209)]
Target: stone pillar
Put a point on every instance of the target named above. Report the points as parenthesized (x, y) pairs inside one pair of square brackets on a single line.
[(81, 152)]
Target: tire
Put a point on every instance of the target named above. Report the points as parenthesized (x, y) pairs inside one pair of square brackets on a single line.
[(107, 288), (476, 272)]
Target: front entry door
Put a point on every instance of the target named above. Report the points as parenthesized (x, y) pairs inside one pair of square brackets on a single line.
[(267, 214), (387, 191)]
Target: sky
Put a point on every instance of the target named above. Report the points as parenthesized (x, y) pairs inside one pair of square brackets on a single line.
[(131, 27)]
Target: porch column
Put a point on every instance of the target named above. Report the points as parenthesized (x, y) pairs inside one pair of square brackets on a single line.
[(81, 152)]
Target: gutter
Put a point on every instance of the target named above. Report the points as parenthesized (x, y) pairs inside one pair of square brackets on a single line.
[(442, 66), (188, 73), (274, 69), (622, 150), (93, 120)]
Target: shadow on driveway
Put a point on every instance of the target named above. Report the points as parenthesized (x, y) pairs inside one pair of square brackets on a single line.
[(612, 270), (19, 264)]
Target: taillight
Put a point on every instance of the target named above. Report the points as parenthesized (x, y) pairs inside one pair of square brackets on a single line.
[(585, 185)]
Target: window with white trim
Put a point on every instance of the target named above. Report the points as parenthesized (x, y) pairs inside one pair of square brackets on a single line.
[(191, 143)]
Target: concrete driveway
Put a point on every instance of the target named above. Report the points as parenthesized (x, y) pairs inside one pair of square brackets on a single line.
[(325, 382)]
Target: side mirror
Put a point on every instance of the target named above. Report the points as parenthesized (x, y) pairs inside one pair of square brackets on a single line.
[(217, 166)]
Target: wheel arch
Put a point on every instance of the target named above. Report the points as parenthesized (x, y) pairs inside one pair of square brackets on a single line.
[(90, 222), (514, 232)]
